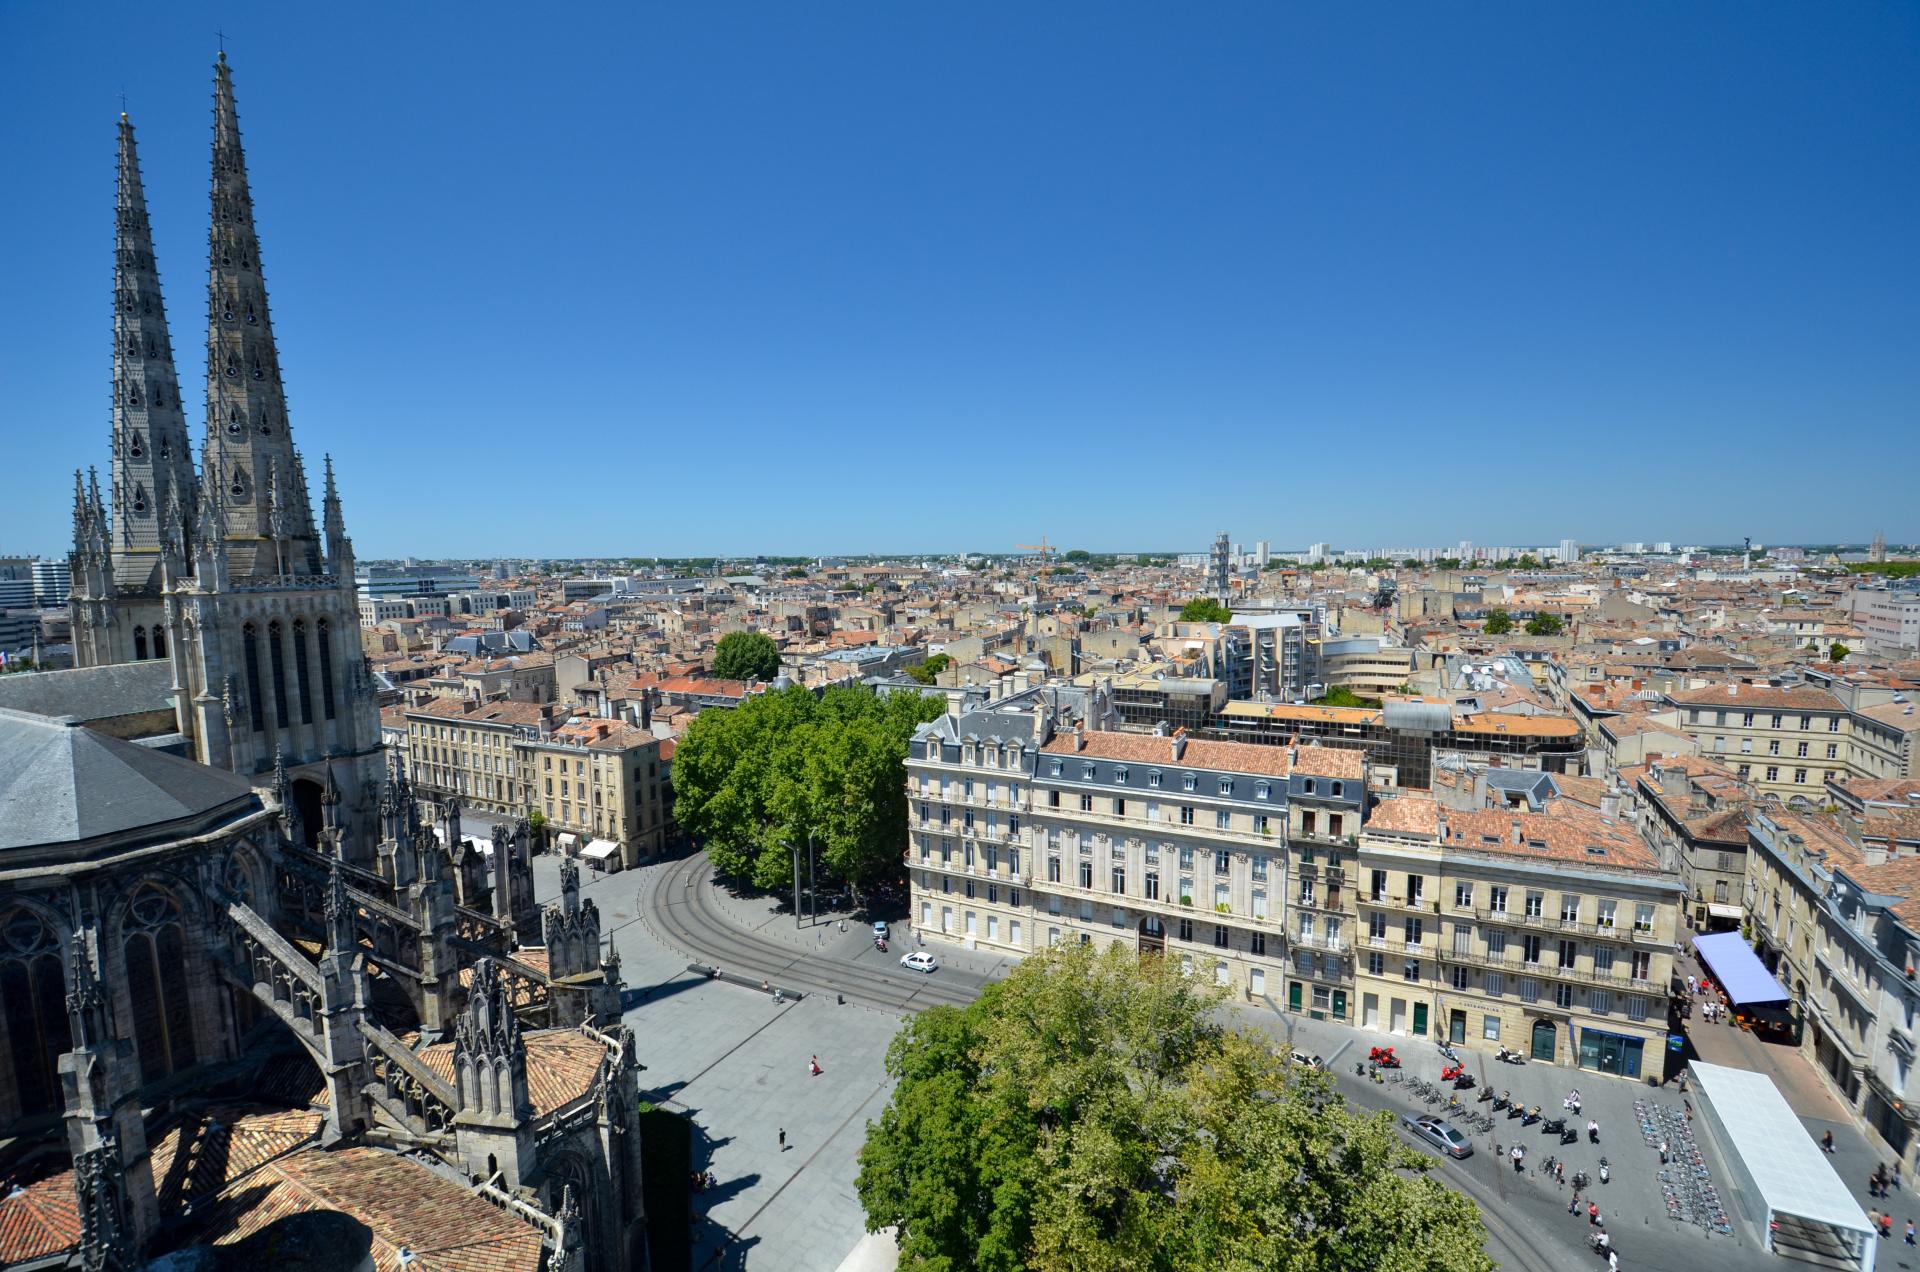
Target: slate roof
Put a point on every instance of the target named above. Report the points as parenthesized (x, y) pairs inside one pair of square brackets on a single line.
[(92, 693), (61, 782)]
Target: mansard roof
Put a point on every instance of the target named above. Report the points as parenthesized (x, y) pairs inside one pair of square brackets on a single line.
[(63, 783)]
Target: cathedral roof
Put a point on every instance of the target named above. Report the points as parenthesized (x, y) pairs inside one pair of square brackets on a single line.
[(62, 783), (93, 693)]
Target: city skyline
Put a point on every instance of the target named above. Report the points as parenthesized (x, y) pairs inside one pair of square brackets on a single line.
[(1241, 250)]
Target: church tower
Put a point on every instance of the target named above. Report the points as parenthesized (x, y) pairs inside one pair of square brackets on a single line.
[(224, 573)]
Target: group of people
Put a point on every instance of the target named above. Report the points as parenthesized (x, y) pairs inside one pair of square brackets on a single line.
[(1600, 1241), (1885, 1178), (1712, 1010), (1883, 1224)]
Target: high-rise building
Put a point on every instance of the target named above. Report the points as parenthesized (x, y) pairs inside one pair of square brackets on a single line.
[(1569, 551), (52, 581), (1219, 568), (1318, 552), (223, 571), (1262, 552)]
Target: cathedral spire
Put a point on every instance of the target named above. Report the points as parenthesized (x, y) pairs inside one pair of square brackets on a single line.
[(246, 402), (151, 451), (339, 546)]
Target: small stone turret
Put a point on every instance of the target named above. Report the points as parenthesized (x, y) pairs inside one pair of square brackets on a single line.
[(100, 1079), (493, 1127), (571, 929)]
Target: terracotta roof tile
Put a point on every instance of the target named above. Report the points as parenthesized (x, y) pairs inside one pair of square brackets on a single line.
[(1229, 757), (41, 1219), (561, 1064)]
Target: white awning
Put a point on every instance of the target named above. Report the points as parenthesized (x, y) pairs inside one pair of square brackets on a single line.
[(567, 839), (600, 849), (1723, 911)]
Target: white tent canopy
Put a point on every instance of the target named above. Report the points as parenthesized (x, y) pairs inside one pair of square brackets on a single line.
[(1774, 1161), (599, 849)]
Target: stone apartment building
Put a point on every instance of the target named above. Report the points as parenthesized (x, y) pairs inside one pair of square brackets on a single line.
[(1022, 837), (1551, 933), (599, 784), (1693, 813), (1833, 913), (1790, 740)]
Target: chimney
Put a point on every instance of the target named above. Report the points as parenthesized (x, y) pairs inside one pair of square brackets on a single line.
[(1179, 743), (1516, 834), (1042, 725), (1079, 737), (1610, 804)]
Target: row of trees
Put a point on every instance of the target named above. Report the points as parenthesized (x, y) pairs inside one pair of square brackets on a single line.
[(1500, 622), (1091, 1113), (755, 781)]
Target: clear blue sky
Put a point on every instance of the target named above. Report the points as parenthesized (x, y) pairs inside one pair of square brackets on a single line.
[(835, 277)]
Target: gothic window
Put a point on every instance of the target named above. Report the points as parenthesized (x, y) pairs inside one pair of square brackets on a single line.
[(226, 313), (33, 988), (326, 668), (139, 644), (266, 426), (133, 444), (133, 395), (156, 958), (255, 368), (251, 320), (250, 644), (159, 642), (139, 497), (277, 658), (301, 674), (233, 420), (238, 488), (233, 368)]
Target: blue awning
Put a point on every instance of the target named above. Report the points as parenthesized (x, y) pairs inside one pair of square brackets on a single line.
[(1738, 970)]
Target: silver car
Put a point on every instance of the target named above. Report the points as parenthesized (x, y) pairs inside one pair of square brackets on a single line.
[(1439, 1133)]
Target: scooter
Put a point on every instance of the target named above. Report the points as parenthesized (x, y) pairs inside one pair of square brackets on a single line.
[(1464, 1082), (1486, 1093), (1516, 1110), (1606, 1170), (1510, 1057), (1384, 1057), (1502, 1101), (1448, 1072), (1533, 1115), (880, 943), (1446, 1049), (1598, 1243), (1554, 1125), (1570, 1136)]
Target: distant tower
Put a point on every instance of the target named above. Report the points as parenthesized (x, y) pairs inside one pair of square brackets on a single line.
[(1879, 550), (224, 573), (1218, 567)]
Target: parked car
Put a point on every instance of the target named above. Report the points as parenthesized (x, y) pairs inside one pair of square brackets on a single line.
[(880, 932), (1312, 1062), (1439, 1133), (918, 961)]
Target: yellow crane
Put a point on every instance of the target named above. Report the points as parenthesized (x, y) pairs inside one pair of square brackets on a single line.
[(1044, 548)]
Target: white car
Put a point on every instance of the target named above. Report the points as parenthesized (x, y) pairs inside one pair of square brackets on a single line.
[(918, 961)]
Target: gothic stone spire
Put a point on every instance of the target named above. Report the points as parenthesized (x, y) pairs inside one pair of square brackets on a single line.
[(152, 455), (246, 402)]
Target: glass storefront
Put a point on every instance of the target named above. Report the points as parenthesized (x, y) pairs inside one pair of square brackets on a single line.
[(1610, 1053)]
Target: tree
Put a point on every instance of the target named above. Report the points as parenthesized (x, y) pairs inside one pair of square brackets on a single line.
[(1204, 609), (795, 572), (1341, 696), (1499, 622), (1528, 561), (1412, 563), (1837, 652), (1090, 1112), (1079, 554), (1143, 559), (926, 672), (1544, 625), (752, 782), (746, 656)]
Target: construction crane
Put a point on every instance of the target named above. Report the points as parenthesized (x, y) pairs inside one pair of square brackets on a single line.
[(1044, 548)]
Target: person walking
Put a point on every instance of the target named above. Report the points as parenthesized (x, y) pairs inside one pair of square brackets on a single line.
[(1886, 1227), (1593, 1131), (1909, 1232), (1593, 1214), (1663, 1152), (783, 1139), (814, 1066), (1873, 1184), (1518, 1154), (1873, 1220), (1613, 1261), (1826, 1141)]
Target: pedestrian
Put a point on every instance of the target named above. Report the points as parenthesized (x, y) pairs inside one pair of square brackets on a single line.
[(1909, 1232), (1693, 986), (1826, 1141), (1889, 1177), (1873, 1185), (814, 1065), (783, 1139), (1573, 1203), (1663, 1152), (1593, 1214), (1593, 1131), (1873, 1220), (1613, 1261), (1886, 1227), (843, 925), (1517, 1153)]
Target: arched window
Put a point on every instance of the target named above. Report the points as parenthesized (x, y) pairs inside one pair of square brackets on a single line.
[(139, 644), (250, 644), (277, 658), (159, 642), (33, 988), (156, 959), (302, 670), (326, 668)]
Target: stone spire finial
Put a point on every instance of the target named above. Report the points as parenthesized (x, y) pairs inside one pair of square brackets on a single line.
[(98, 1184), (339, 546), (246, 401), (151, 450), (87, 1016)]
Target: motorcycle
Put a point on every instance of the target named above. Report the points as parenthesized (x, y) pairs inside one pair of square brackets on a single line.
[(1446, 1050), (1606, 1170), (1486, 1093), (1510, 1057), (1502, 1101), (1464, 1082), (1580, 1181), (1384, 1057), (1516, 1109), (880, 943), (1554, 1125), (1532, 1116), (1570, 1136), (1449, 1072)]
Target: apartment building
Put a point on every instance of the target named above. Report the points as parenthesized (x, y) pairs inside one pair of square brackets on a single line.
[(1693, 813), (1021, 837), (599, 784), (1832, 906), (1551, 933), (1791, 740)]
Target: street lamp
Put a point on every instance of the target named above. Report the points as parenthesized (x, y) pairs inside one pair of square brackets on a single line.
[(795, 847)]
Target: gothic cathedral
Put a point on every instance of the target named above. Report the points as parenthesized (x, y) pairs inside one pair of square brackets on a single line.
[(220, 570)]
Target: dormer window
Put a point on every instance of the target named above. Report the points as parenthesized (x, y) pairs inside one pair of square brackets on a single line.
[(1188, 781), (1153, 778), (1120, 773), (1086, 772), (1339, 788), (1226, 786), (1261, 790), (1054, 768), (1309, 786)]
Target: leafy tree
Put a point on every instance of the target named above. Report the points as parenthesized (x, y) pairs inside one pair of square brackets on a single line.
[(1079, 554), (1412, 563), (1448, 563), (1341, 696), (1544, 625), (753, 781), (746, 656), (795, 572), (1090, 1112), (1528, 561), (1837, 652), (1143, 559), (926, 672), (1204, 609), (1499, 622)]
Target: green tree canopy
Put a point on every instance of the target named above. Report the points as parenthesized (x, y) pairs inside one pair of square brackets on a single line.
[(1544, 625), (1499, 622), (795, 572), (1204, 609), (752, 781), (746, 656), (1412, 563), (1079, 554), (1837, 652), (1341, 696), (1090, 1113), (927, 672)]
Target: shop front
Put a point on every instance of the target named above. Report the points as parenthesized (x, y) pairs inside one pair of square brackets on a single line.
[(1619, 1055)]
